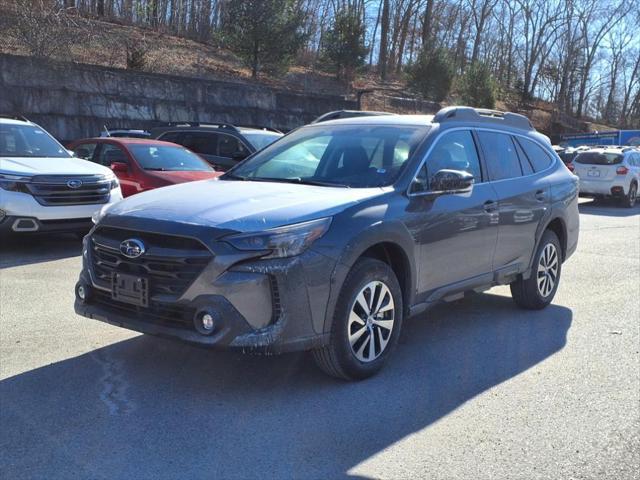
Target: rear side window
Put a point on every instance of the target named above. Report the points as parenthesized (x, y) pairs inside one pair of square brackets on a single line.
[(201, 142), (598, 158), (527, 168), (500, 152), (539, 158)]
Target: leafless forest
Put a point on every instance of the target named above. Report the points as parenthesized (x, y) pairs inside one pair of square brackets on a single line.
[(581, 55)]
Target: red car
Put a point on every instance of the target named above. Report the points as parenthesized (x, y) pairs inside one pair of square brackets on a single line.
[(142, 164)]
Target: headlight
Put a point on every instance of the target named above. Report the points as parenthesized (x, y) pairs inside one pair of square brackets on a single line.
[(115, 183), (99, 214), (14, 183), (282, 242)]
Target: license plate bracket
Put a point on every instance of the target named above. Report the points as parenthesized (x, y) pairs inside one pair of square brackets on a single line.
[(130, 289)]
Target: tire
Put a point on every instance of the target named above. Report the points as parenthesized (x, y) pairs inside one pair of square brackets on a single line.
[(629, 200), (538, 290), (339, 358)]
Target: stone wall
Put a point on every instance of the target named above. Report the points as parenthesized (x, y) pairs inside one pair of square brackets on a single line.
[(74, 101)]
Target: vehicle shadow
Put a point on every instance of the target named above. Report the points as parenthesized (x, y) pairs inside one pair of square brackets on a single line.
[(28, 249), (153, 408), (607, 207)]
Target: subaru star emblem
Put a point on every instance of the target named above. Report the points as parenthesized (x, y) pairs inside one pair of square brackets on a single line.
[(74, 183), (132, 248)]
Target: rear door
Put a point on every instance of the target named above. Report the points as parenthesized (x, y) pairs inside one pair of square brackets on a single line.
[(522, 190)]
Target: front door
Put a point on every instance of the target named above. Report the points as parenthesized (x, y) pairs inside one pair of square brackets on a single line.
[(456, 233)]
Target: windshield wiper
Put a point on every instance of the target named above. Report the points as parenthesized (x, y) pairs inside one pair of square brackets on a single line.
[(156, 169), (233, 176), (300, 181)]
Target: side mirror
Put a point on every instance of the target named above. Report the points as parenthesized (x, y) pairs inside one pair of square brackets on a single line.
[(119, 167), (451, 181)]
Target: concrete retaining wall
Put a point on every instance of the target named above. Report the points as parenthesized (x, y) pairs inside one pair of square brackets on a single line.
[(74, 101)]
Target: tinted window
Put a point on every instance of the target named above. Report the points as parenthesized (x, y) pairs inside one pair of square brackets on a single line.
[(229, 146), (201, 142), (335, 154), (111, 153), (597, 158), (500, 152), (538, 156), (455, 151), (170, 137), (85, 150), (28, 141), (167, 158)]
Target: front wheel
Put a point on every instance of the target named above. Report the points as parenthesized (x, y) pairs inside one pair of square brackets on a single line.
[(538, 290), (366, 323)]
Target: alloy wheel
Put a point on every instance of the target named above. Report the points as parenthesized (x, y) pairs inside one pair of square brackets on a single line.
[(547, 270), (371, 321)]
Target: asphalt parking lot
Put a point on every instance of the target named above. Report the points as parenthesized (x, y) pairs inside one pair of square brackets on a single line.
[(478, 389)]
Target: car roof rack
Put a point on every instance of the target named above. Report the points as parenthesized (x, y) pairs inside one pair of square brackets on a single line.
[(10, 116), (348, 114), (259, 127), (484, 115), (200, 124)]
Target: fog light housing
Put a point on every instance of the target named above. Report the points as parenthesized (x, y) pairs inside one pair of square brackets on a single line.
[(83, 292), (205, 322)]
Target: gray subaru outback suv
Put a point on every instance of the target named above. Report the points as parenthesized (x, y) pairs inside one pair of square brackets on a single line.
[(329, 238)]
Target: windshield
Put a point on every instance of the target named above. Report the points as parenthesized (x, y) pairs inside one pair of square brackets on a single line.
[(167, 158), (261, 139), (342, 155), (28, 141), (595, 158)]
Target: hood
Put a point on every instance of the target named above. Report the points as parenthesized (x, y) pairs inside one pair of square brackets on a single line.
[(183, 176), (50, 166), (239, 205)]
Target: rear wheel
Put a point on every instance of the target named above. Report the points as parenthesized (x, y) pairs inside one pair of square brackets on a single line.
[(366, 323), (538, 290), (629, 200)]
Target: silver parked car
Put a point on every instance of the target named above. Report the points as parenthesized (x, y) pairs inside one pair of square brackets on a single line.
[(609, 172)]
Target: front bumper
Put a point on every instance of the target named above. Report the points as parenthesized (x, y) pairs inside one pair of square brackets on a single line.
[(267, 306), (24, 205)]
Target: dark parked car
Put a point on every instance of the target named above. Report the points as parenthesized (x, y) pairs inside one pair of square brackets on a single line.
[(222, 145), (142, 165), (328, 239)]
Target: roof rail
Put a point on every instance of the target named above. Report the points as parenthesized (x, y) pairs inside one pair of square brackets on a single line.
[(469, 114), (348, 114), (200, 124), (10, 116), (259, 127)]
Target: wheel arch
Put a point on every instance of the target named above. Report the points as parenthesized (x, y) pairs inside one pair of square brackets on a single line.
[(390, 243)]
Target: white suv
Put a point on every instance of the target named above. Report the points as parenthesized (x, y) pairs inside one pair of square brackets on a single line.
[(609, 172), (43, 188)]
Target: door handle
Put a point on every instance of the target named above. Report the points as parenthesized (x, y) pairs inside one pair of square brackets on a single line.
[(490, 206), (540, 195)]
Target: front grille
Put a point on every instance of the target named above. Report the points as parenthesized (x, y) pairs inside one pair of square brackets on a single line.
[(170, 263), (54, 190)]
